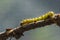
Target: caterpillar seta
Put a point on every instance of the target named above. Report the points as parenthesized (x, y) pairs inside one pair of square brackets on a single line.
[(43, 17)]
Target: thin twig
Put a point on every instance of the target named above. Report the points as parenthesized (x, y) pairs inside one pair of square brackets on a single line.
[(18, 32)]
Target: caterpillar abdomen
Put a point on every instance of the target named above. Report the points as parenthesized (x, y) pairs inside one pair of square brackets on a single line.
[(43, 17)]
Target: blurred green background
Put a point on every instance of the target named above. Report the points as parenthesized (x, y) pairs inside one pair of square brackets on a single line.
[(13, 11)]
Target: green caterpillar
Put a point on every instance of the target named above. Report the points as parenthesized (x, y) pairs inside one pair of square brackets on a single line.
[(43, 17)]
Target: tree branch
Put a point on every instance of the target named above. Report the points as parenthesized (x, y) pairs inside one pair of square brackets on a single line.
[(18, 32)]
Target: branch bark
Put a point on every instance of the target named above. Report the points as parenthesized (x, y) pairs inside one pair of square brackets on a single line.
[(18, 32)]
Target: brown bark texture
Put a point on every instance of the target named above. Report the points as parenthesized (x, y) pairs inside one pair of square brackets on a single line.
[(18, 32)]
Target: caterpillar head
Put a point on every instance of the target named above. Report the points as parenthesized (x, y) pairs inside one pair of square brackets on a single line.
[(50, 13)]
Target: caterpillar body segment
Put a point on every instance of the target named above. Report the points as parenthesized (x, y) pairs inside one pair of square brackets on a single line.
[(47, 15), (32, 20)]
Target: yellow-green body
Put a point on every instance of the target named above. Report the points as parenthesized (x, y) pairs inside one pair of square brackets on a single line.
[(43, 17)]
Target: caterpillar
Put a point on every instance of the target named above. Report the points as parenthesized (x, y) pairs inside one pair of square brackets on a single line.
[(43, 17)]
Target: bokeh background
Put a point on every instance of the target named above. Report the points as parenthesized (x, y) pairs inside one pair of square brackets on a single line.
[(13, 11)]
